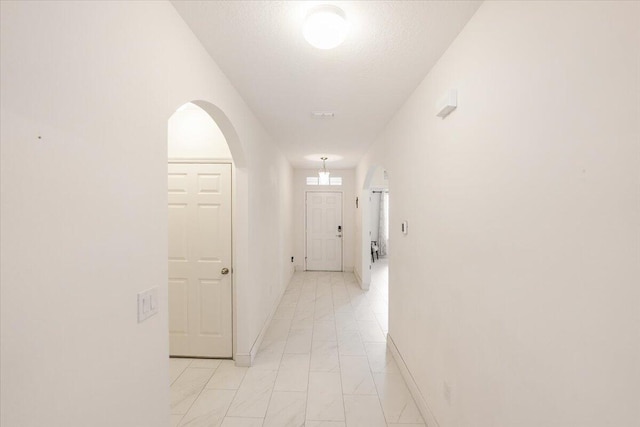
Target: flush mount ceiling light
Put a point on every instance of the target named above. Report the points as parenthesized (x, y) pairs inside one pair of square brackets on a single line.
[(325, 27), (323, 174)]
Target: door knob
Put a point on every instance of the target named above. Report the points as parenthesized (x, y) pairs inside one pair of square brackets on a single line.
[(225, 270)]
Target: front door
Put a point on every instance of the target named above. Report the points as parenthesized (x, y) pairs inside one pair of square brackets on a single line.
[(200, 260), (324, 231)]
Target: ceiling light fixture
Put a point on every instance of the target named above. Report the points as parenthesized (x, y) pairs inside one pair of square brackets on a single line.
[(325, 27), (323, 174)]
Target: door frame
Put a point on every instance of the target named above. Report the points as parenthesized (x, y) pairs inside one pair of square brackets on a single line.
[(219, 161), (306, 192)]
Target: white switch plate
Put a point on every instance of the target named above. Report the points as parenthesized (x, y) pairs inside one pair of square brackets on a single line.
[(147, 304)]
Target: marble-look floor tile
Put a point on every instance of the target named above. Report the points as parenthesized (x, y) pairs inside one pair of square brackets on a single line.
[(383, 321), (380, 358), (303, 322), (363, 411), (186, 388), (177, 366), (289, 299), (242, 422), (286, 409), (205, 363), (324, 357), (325, 424), (253, 395), (324, 314), (365, 313), (397, 403), (284, 313), (293, 374), (209, 408), (350, 344), (356, 375), (324, 331), (370, 331), (175, 419), (345, 323), (277, 330), (324, 400), (299, 341), (326, 328), (269, 355), (228, 376)]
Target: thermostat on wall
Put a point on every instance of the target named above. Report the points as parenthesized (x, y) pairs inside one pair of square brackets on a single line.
[(405, 227)]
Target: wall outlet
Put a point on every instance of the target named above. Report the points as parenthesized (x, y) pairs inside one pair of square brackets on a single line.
[(291, 259), (147, 304)]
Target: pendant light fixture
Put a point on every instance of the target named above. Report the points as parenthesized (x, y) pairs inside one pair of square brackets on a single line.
[(323, 174)]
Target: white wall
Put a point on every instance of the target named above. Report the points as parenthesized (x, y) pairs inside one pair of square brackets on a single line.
[(87, 89), (348, 212), (518, 283)]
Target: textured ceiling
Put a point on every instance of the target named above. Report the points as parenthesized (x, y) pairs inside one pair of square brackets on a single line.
[(390, 48)]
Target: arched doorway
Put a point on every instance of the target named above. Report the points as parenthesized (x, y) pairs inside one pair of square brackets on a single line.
[(207, 228), (374, 220), (375, 240)]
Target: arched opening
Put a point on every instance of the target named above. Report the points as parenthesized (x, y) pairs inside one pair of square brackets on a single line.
[(375, 238), (207, 215)]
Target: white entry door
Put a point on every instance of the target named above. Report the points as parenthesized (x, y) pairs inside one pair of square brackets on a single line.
[(324, 231), (200, 260)]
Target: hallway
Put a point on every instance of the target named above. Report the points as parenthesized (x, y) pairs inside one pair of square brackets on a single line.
[(323, 362)]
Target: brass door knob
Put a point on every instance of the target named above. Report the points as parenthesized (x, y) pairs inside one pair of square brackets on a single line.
[(225, 271)]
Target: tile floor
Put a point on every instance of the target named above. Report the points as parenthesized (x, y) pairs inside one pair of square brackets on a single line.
[(323, 363)]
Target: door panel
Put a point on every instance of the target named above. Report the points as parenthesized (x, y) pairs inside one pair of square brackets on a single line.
[(179, 298), (199, 248), (324, 241)]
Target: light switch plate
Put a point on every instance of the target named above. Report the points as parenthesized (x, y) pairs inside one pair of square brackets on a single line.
[(147, 304)]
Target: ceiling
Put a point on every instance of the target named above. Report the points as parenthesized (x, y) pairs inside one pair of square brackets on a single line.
[(389, 50)]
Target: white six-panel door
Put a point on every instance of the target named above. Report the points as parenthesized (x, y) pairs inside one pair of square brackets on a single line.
[(200, 295), (324, 231)]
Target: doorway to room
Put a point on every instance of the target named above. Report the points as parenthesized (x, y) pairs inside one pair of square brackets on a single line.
[(375, 241), (200, 285)]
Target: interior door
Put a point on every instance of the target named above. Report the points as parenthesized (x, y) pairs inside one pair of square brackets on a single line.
[(324, 231), (199, 260)]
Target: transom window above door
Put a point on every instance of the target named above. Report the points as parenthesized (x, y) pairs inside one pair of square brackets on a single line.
[(334, 180)]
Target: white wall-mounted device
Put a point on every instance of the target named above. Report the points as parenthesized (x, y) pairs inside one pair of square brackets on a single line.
[(147, 304), (448, 103)]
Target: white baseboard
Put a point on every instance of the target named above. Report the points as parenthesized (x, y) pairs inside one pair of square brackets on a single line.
[(421, 402), (348, 269), (358, 278), (244, 359), (363, 286)]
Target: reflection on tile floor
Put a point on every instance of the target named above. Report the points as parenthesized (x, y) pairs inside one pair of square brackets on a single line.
[(323, 362)]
